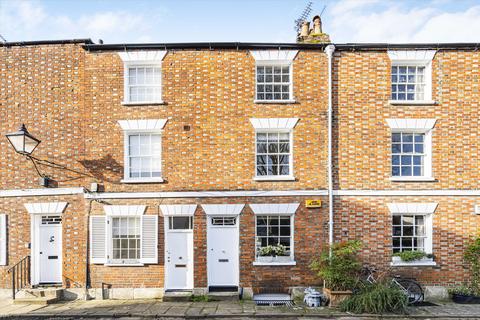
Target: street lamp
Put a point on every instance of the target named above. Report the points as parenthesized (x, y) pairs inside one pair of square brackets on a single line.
[(22, 141)]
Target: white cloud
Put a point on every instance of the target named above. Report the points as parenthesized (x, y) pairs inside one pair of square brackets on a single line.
[(27, 16), (451, 27), (375, 21), (28, 20)]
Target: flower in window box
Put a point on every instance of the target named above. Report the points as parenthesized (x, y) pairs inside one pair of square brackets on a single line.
[(272, 251)]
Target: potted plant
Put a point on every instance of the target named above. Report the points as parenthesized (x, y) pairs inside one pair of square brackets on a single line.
[(339, 267), (470, 292), (271, 253), (411, 256), (464, 295)]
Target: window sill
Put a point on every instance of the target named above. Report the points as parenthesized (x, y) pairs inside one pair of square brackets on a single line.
[(412, 179), (417, 263), (146, 180), (275, 101), (286, 263), (274, 178), (113, 264), (413, 102), (151, 103)]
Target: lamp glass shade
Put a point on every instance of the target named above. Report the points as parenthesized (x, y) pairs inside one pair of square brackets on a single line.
[(22, 141)]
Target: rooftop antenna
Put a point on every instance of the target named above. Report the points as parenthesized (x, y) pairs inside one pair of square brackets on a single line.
[(324, 7), (3, 39), (303, 17)]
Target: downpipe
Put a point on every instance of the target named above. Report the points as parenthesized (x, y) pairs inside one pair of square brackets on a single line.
[(329, 50)]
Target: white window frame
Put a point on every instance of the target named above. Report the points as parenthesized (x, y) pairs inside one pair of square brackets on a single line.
[(127, 84), (275, 125), (284, 259), (414, 58), (290, 176), (290, 83), (424, 126), (123, 211), (275, 58), (110, 259), (424, 209), (141, 59), (277, 209), (133, 127)]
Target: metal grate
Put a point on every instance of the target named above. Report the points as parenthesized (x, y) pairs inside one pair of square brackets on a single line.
[(273, 299)]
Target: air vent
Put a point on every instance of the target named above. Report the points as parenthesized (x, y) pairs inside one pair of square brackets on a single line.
[(477, 209)]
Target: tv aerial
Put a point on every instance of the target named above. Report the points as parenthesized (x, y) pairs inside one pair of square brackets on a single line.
[(303, 17)]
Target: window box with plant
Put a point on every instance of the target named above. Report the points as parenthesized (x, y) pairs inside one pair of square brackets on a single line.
[(273, 253), (339, 267), (412, 257), (470, 291)]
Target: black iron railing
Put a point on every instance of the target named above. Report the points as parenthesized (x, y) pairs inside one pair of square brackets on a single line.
[(20, 275)]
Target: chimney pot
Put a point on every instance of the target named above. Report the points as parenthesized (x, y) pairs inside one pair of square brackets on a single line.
[(317, 25), (305, 29)]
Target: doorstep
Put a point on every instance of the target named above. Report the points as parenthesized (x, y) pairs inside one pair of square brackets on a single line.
[(177, 296)]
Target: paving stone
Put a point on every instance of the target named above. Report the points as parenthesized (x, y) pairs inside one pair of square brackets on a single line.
[(240, 310)]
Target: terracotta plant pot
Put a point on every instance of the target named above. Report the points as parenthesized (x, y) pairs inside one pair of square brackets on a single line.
[(336, 297)]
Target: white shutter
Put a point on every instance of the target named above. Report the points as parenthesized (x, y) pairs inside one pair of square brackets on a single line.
[(98, 239), (3, 240), (149, 239)]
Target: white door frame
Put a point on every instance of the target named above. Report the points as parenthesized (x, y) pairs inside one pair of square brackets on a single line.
[(237, 226), (36, 220), (37, 210), (190, 264)]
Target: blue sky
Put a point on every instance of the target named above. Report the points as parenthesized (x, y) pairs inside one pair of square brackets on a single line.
[(130, 21)]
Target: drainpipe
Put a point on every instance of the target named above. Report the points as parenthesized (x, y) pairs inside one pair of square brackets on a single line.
[(329, 50)]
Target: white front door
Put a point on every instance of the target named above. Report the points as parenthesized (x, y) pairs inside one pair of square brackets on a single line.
[(50, 249), (222, 251), (179, 253)]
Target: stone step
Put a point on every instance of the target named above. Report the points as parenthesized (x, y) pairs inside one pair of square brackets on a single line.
[(38, 301), (54, 292), (177, 296), (223, 296)]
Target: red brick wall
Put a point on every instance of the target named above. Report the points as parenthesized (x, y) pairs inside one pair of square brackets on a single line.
[(362, 137), (309, 236), (43, 87), (213, 92), (74, 220), (369, 220)]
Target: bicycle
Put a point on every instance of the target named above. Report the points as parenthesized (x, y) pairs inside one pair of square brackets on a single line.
[(409, 287)]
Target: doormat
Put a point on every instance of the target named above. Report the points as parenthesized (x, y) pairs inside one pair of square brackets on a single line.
[(424, 304)]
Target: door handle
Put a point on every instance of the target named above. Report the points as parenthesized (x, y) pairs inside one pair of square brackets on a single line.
[(41, 252)]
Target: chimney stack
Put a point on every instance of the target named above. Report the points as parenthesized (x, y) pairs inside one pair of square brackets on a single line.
[(314, 35)]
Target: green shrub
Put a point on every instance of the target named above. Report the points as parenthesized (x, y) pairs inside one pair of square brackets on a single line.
[(471, 256), (340, 270), (410, 255), (377, 298)]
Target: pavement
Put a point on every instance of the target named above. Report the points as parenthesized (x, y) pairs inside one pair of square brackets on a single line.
[(141, 309)]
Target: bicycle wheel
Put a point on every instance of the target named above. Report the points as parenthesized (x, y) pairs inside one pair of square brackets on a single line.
[(412, 289)]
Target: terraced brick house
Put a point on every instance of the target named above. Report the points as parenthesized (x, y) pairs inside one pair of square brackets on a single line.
[(175, 166)]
